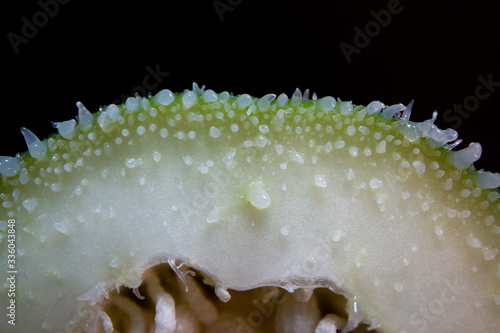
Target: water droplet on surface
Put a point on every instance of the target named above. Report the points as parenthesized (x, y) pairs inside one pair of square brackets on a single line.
[(157, 156), (338, 236), (350, 174), (244, 100), (353, 151), (213, 216), (203, 169), (320, 181), (439, 231), (473, 241), (375, 183), (114, 262), (295, 156), (62, 227), (284, 231), (381, 147), (132, 162), (419, 167), (258, 196), (30, 204), (189, 99), (448, 184), (489, 254), (214, 132)]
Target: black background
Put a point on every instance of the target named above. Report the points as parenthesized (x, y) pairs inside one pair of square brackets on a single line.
[(95, 52)]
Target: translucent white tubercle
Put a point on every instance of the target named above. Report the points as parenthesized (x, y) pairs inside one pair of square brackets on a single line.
[(196, 89), (392, 110), (104, 121), (279, 120), (164, 97), (464, 158), (282, 100), (306, 94), (433, 119), (189, 99), (37, 148), (407, 112), (244, 100), (85, 118), (487, 180), (440, 137), (112, 111), (346, 108), (9, 166), (374, 107), (210, 96), (410, 130), (265, 102), (66, 128), (132, 104), (327, 103), (296, 97)]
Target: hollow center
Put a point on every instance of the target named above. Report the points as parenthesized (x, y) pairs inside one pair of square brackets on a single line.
[(162, 304)]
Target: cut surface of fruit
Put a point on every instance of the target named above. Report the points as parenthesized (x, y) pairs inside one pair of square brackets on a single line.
[(286, 194)]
